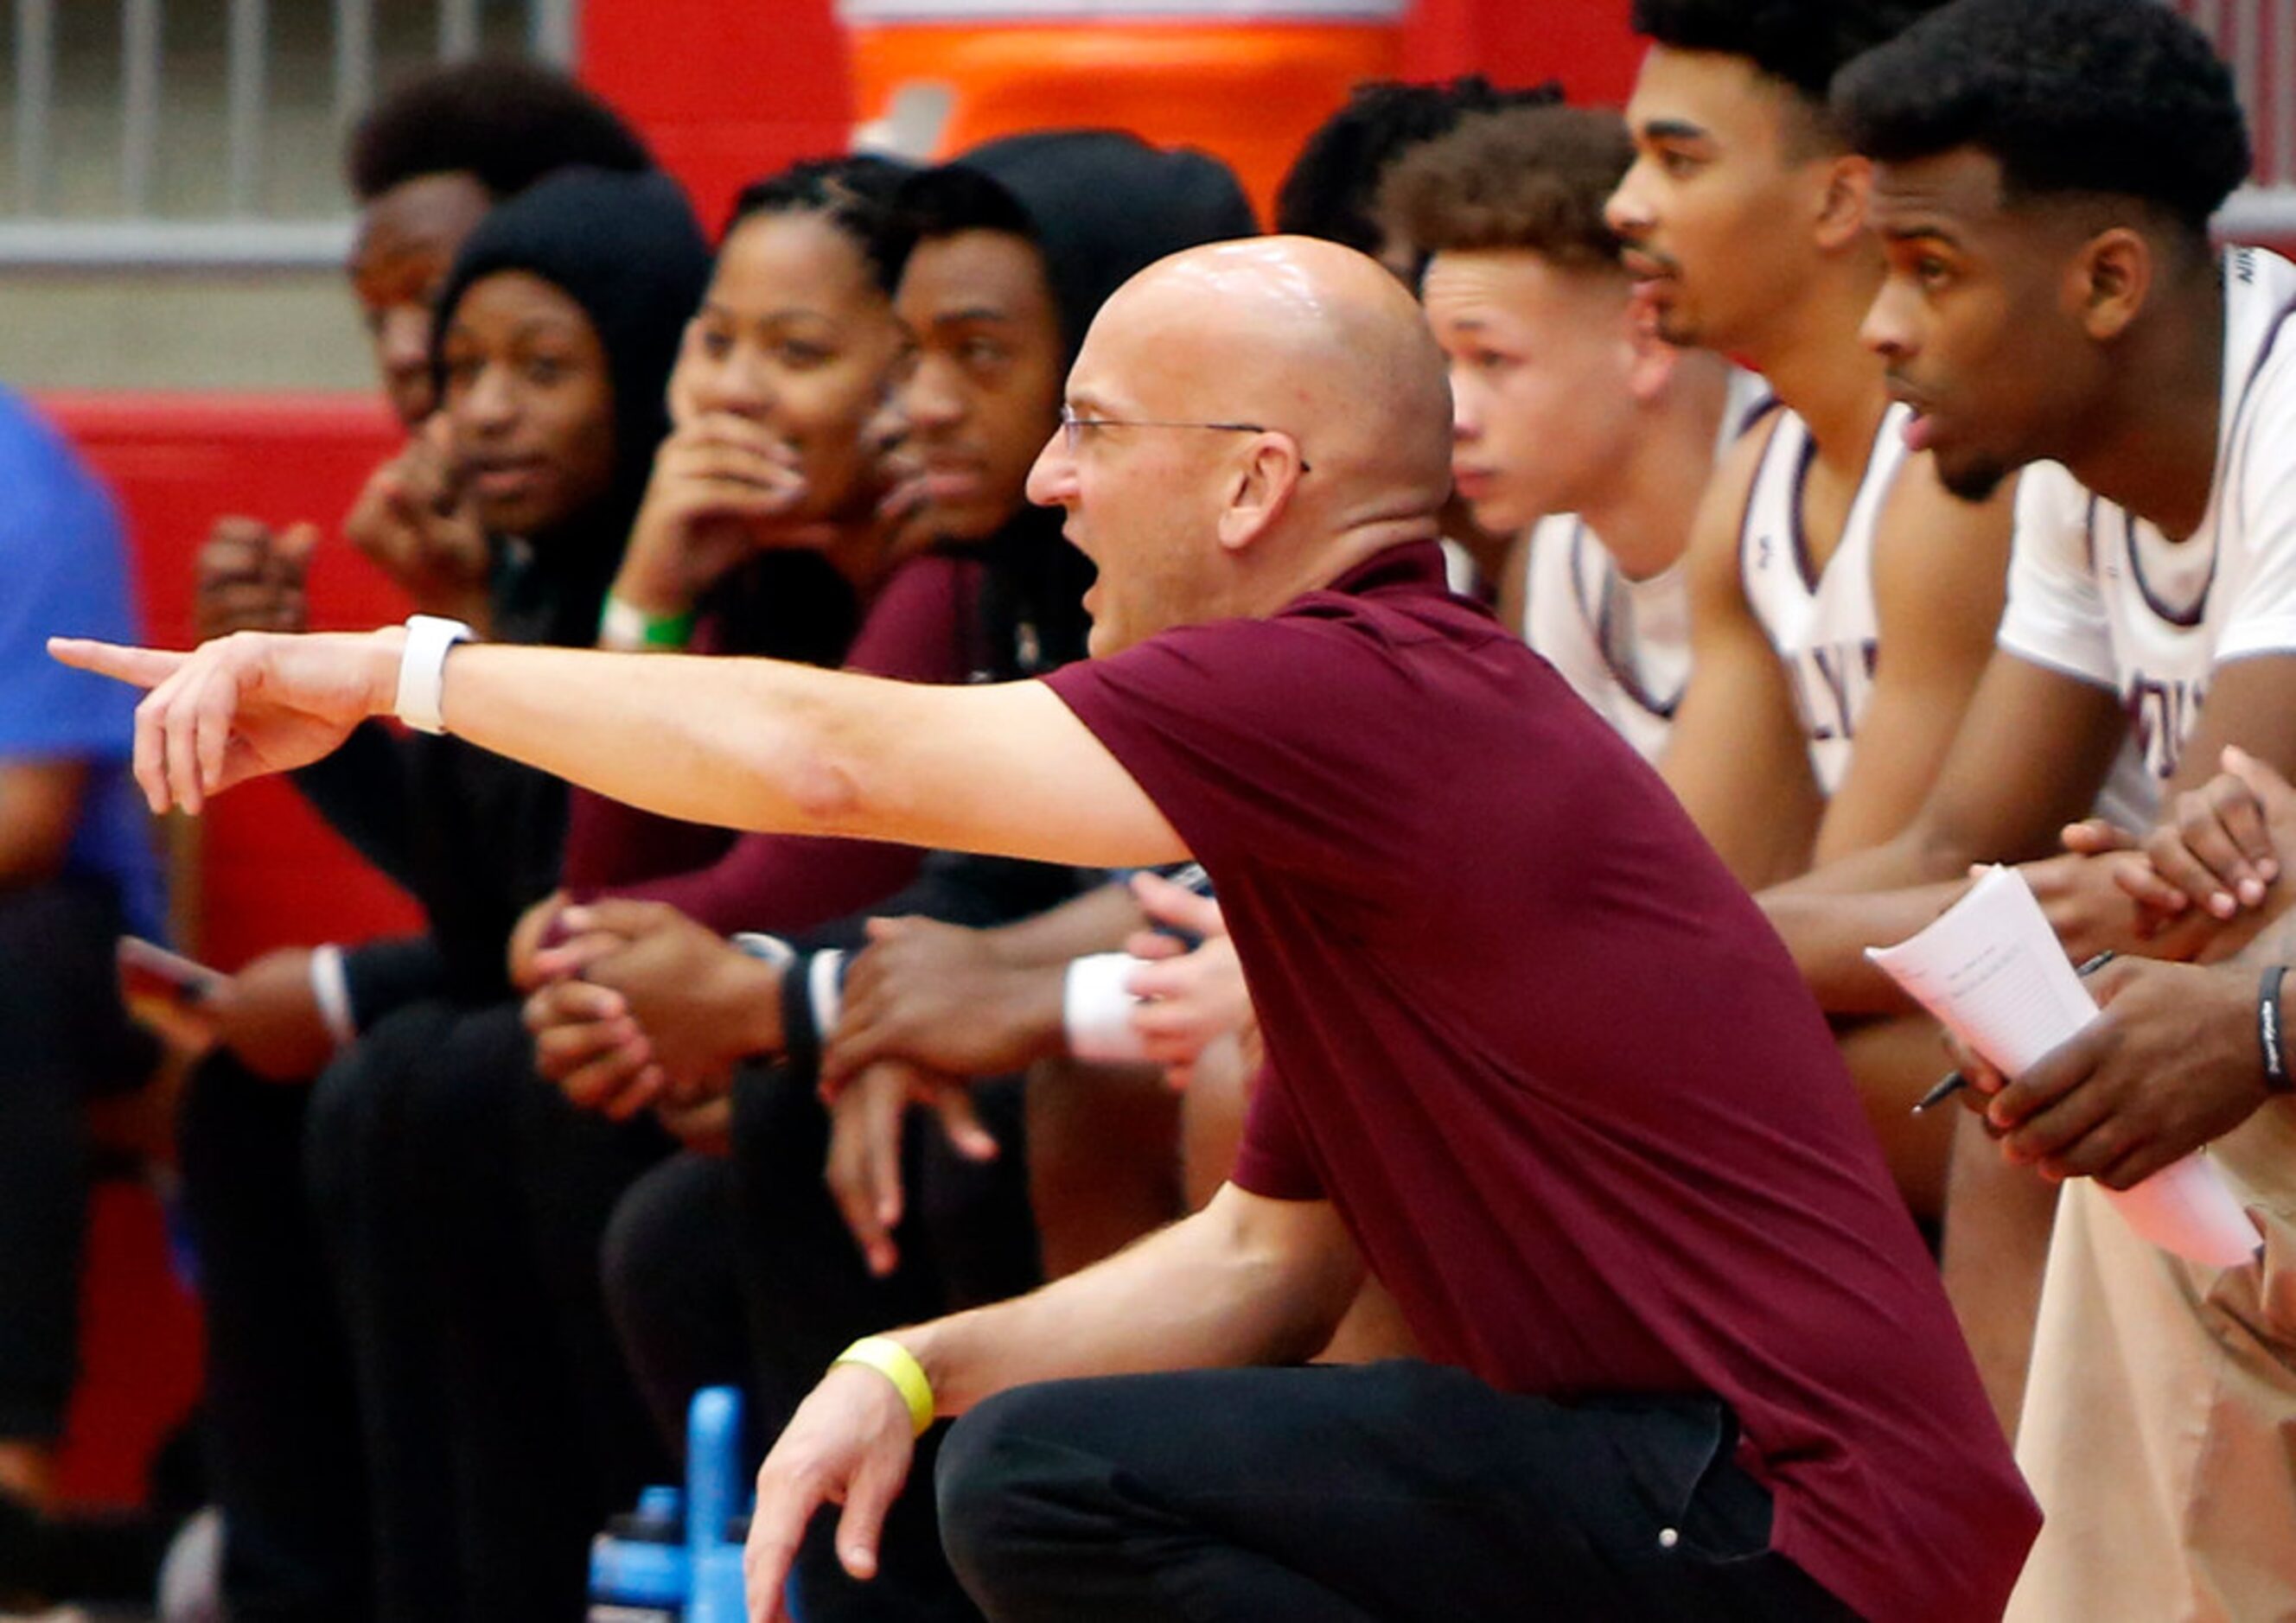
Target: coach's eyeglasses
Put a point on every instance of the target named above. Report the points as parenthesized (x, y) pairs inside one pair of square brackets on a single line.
[(1072, 428)]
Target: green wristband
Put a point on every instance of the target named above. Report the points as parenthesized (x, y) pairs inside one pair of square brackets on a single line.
[(625, 626)]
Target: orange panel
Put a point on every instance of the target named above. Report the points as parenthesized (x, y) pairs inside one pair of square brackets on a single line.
[(1250, 92), (728, 90)]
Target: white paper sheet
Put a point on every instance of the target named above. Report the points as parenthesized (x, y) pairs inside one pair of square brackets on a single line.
[(1990, 970)]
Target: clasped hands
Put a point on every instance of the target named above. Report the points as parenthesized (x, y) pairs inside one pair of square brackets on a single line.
[(2174, 1060)]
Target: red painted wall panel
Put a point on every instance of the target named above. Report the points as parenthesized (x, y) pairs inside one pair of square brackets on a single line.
[(266, 873), (726, 90), (1583, 43)]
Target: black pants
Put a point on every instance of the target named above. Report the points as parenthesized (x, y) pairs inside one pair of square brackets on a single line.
[(63, 1036), (286, 1450), (463, 1203), (1397, 1491), (743, 1271)]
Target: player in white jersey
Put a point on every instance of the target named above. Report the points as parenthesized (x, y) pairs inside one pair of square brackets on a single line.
[(1621, 642), (1843, 603), (1563, 404), (1823, 623), (2047, 172)]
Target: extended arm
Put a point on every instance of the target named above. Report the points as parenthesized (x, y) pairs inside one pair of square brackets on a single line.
[(2032, 749), (1940, 568), (1245, 1281), (748, 743), (1737, 758)]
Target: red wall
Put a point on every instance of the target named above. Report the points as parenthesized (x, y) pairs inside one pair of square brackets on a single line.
[(267, 872), (726, 90), (1583, 43)]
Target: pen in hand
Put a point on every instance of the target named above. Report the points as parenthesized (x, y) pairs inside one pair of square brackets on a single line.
[(1953, 1081)]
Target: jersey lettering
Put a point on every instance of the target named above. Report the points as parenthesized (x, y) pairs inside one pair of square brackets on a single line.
[(2163, 711), (1832, 683)]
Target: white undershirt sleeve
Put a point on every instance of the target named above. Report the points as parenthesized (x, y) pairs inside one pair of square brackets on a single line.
[(2261, 618)]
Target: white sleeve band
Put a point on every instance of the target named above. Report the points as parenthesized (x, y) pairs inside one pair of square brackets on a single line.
[(331, 989), (825, 989), (766, 949), (1096, 1011), (423, 669), (620, 627)]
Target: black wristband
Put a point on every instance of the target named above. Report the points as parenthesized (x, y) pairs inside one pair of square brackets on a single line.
[(800, 1035), (2269, 1035)]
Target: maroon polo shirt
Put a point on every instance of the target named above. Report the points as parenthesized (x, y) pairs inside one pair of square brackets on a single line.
[(1555, 1071)]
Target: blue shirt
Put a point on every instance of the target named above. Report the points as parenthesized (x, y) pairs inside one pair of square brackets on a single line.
[(64, 571)]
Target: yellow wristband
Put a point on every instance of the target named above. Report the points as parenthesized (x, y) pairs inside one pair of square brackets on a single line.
[(898, 1365)]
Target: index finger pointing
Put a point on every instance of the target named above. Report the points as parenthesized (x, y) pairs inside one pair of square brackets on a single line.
[(143, 667)]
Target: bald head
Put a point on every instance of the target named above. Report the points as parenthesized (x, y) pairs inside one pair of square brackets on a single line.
[(1305, 336), (1252, 420)]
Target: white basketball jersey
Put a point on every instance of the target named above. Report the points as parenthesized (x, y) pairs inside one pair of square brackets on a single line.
[(1823, 627), (2102, 595), (1623, 645)]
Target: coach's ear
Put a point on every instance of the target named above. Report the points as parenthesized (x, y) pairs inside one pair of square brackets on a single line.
[(2109, 281), (1262, 488), (1842, 206)]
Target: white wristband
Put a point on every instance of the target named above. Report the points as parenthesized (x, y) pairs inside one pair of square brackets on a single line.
[(1096, 1010), (766, 949), (331, 989), (423, 669), (825, 989)]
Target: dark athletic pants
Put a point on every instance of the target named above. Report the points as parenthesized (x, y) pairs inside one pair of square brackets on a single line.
[(284, 1447), (412, 1418), (743, 1271), (63, 1036), (1396, 1492), (462, 1199)]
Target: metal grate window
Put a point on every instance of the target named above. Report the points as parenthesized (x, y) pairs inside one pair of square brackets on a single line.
[(208, 133)]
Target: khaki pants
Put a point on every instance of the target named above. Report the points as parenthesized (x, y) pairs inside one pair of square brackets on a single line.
[(2159, 1423)]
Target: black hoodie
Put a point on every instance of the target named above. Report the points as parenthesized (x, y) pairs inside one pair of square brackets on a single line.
[(1102, 206), (476, 837)]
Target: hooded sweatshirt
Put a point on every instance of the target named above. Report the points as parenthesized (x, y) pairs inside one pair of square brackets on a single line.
[(476, 837), (1102, 206), (1099, 207)]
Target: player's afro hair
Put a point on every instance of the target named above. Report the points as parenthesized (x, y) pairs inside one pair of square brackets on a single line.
[(508, 123), (1331, 188), (2110, 97)]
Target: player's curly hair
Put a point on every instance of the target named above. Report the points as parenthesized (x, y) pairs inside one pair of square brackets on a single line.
[(1331, 188), (1530, 177), (507, 123), (2098, 96)]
